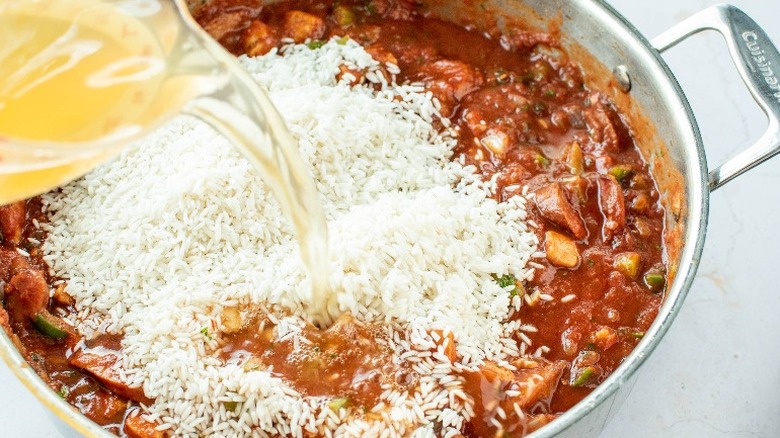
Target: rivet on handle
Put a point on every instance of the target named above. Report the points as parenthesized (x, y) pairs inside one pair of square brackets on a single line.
[(622, 78)]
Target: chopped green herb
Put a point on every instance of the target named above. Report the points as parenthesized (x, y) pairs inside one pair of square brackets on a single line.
[(316, 44), (63, 392), (230, 406), (508, 280), (549, 93), (638, 335), (584, 377), (333, 355), (205, 332), (337, 404), (343, 40)]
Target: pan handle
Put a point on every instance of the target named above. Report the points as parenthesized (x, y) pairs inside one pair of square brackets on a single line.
[(758, 62)]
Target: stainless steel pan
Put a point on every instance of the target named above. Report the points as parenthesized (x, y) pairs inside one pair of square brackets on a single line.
[(624, 64)]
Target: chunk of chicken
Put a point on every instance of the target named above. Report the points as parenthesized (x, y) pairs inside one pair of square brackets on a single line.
[(446, 343), (492, 372), (495, 387), (554, 206), (28, 293), (354, 76), (346, 326), (12, 217), (613, 205), (137, 427), (540, 383), (301, 26), (225, 23), (537, 421), (561, 250), (604, 338), (450, 81), (103, 406), (258, 39), (382, 55), (605, 126), (232, 322), (505, 108)]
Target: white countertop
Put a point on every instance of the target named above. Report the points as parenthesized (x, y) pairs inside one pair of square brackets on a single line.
[(717, 372)]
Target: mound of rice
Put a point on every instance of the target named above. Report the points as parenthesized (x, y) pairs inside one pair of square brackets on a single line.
[(155, 244)]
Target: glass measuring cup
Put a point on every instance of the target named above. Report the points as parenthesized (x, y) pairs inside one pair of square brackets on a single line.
[(80, 79)]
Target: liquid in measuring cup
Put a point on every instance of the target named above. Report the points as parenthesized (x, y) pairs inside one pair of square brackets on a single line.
[(76, 72), (80, 79)]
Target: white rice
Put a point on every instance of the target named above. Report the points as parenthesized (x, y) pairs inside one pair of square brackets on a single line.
[(156, 243)]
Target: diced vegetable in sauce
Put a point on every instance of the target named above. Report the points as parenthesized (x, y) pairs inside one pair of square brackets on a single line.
[(231, 320), (230, 406), (629, 264), (338, 404), (655, 280), (575, 159), (621, 172), (343, 15), (50, 325), (584, 377)]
